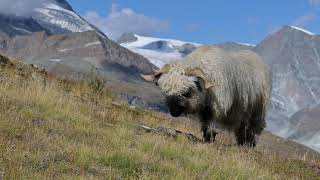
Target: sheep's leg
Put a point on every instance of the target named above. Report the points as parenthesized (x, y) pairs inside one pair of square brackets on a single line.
[(246, 135), (209, 134), (248, 132)]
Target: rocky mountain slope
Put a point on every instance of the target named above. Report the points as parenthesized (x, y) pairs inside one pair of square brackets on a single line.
[(58, 39), (76, 55), (72, 49), (293, 55)]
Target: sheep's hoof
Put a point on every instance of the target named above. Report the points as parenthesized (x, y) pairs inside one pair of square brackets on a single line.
[(209, 136)]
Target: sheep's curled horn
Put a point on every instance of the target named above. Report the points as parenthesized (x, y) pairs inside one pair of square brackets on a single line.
[(153, 77), (197, 72)]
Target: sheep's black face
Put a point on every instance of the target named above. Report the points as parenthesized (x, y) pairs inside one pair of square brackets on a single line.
[(177, 105), (189, 102)]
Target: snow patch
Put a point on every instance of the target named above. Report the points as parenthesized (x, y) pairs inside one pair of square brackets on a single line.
[(144, 40), (158, 58), (64, 50), (55, 60), (303, 30), (247, 44), (92, 44)]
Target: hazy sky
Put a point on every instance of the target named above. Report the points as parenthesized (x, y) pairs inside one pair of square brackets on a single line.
[(20, 7), (204, 21)]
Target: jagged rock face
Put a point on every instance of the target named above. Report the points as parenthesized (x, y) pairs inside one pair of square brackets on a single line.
[(73, 49), (294, 58)]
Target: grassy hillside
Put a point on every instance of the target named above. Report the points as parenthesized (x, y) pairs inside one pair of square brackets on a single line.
[(72, 130)]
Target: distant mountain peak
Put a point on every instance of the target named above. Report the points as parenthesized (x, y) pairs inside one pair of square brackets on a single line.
[(295, 28), (54, 17), (293, 54)]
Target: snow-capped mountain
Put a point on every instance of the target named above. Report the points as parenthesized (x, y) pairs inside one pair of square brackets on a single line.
[(157, 50), (294, 56), (56, 17)]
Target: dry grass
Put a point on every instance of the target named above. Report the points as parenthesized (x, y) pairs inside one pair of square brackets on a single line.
[(59, 130)]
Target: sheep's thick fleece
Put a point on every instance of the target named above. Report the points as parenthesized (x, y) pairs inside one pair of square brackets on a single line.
[(241, 84)]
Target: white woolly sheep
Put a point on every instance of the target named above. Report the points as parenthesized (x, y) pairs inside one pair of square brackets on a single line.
[(231, 89)]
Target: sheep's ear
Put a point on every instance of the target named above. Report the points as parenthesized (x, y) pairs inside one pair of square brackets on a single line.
[(197, 72), (152, 77)]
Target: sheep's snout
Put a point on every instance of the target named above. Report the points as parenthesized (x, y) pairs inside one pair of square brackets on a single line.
[(176, 105)]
